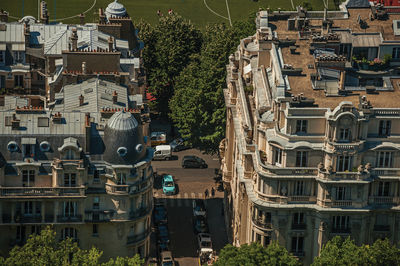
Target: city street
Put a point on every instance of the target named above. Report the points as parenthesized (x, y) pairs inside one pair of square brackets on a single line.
[(191, 184)]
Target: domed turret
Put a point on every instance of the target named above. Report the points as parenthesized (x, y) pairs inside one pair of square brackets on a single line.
[(115, 9), (123, 139)]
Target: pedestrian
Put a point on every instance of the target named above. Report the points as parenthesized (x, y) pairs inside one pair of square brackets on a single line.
[(212, 192), (206, 193)]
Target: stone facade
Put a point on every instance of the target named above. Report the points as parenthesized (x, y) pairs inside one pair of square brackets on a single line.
[(303, 163)]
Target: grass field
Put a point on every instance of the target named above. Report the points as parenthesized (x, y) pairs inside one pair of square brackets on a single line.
[(195, 10)]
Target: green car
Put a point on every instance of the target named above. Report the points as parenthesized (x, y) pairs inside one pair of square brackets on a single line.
[(168, 185)]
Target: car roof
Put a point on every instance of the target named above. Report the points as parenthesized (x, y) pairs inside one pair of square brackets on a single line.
[(168, 178), (189, 157)]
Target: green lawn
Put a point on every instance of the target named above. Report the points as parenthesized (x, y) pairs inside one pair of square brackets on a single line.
[(195, 10)]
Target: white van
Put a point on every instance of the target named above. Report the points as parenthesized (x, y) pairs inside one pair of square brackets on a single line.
[(162, 152)]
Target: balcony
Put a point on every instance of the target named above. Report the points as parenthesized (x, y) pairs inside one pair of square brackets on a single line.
[(301, 226), (262, 223), (60, 163), (97, 216), (117, 189), (384, 200), (137, 187), (28, 218), (381, 228), (302, 199), (344, 231), (342, 203), (135, 239), (69, 219), (29, 192), (385, 172)]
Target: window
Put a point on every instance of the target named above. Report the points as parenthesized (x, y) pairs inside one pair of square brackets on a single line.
[(69, 232), (7, 121), (96, 203), (70, 208), (20, 233), (43, 122), (343, 193), (301, 158), (2, 61), (396, 52), (69, 154), (267, 240), (384, 159), (18, 81), (95, 230), (301, 126), (344, 163), (69, 180), (383, 189), (341, 223), (299, 188), (258, 238), (298, 218), (121, 178), (38, 207), (19, 57), (297, 244), (28, 178), (96, 176), (29, 150), (277, 156), (384, 128), (345, 134), (28, 207), (35, 229)]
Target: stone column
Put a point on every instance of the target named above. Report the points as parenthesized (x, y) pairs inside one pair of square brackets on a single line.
[(42, 211)]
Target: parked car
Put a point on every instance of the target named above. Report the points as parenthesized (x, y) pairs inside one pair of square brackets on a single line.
[(168, 185), (158, 138), (205, 246), (160, 214), (200, 224), (191, 161), (167, 259), (162, 234), (199, 209), (162, 152), (179, 145)]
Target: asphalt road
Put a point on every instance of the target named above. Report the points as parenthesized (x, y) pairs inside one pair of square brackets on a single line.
[(191, 184)]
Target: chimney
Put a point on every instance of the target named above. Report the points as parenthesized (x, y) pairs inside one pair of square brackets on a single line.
[(110, 44), (82, 18), (27, 33), (81, 99), (115, 97), (3, 16), (342, 80), (84, 70), (87, 132), (102, 17), (74, 39)]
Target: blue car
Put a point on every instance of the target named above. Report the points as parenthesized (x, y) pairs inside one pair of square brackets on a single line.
[(168, 185)]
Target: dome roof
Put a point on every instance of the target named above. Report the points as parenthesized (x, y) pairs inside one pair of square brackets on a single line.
[(115, 9), (122, 121)]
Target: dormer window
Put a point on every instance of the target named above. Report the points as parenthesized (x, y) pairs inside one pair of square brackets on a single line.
[(28, 147), (384, 128), (70, 149), (301, 126), (69, 154), (121, 178)]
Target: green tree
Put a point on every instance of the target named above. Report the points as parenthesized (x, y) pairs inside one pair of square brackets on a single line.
[(168, 49), (46, 249), (339, 251), (255, 254), (198, 105)]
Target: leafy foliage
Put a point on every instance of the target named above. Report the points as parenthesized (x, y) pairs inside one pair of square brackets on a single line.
[(168, 49), (198, 106), (339, 251), (45, 249), (255, 254)]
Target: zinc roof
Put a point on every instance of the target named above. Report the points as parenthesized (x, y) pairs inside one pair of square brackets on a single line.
[(13, 33)]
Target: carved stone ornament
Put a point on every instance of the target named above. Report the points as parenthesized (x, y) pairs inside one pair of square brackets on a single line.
[(368, 167), (330, 169), (321, 167), (360, 168), (283, 191)]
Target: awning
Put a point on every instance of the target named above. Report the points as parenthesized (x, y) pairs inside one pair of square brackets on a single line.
[(31, 141)]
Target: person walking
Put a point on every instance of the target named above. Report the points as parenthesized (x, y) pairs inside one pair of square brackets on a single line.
[(206, 193), (212, 192)]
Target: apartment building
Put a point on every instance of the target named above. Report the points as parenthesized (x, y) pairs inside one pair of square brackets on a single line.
[(312, 135), (73, 134)]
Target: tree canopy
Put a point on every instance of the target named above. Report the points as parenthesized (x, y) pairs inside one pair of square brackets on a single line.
[(45, 249), (255, 254), (339, 251)]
